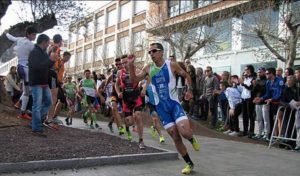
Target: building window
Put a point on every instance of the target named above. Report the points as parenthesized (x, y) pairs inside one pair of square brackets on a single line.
[(100, 23), (81, 32), (203, 3), (123, 47), (111, 18), (79, 58), (186, 6), (110, 49), (173, 8), (90, 28), (72, 61), (72, 37), (266, 19), (98, 52), (139, 39), (125, 12), (88, 56), (140, 7)]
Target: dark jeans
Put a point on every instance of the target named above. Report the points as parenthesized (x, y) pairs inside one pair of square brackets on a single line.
[(234, 120), (248, 115), (224, 109)]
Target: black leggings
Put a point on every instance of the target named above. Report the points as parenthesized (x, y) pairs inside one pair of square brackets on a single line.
[(248, 114)]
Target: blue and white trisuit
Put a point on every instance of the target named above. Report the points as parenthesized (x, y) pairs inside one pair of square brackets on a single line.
[(163, 84)]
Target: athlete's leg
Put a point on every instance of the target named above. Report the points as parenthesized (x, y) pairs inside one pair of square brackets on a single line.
[(54, 92)]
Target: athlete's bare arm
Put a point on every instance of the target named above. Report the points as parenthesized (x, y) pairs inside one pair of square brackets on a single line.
[(135, 78), (117, 84)]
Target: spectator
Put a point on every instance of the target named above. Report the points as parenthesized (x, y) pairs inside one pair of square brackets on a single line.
[(172, 58), (287, 72), (11, 84), (180, 82), (199, 107), (279, 72), (287, 122), (190, 104), (261, 108), (211, 84), (274, 87), (225, 77), (39, 66), (233, 95), (247, 101), (187, 62)]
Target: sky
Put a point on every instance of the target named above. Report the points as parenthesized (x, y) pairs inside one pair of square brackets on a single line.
[(14, 14)]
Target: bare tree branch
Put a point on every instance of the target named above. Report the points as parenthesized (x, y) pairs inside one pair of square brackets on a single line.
[(266, 43)]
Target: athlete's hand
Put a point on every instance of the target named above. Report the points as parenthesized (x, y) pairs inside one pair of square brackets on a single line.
[(130, 59), (120, 95), (188, 95)]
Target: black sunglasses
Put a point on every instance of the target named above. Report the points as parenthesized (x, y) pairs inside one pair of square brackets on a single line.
[(154, 51)]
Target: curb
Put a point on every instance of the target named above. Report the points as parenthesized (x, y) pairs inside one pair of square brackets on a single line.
[(73, 163)]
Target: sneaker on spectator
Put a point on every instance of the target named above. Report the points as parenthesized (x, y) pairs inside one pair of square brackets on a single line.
[(265, 138), (227, 132), (258, 136), (234, 133), (242, 133), (57, 121), (297, 148), (24, 116)]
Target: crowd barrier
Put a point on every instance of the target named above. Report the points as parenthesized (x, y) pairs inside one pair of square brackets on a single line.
[(287, 131)]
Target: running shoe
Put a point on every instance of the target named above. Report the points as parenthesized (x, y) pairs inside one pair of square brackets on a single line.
[(97, 126), (24, 116), (196, 144), (50, 124), (129, 136), (121, 130), (67, 121), (187, 169), (161, 139), (153, 132), (142, 145), (110, 128), (92, 126)]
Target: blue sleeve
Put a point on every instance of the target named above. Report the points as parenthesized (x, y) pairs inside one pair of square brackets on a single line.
[(278, 90), (267, 94)]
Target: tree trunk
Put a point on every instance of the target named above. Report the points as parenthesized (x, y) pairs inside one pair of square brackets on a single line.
[(18, 30)]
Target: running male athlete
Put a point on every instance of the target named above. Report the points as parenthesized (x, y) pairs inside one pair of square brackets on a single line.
[(114, 100), (23, 48), (162, 74), (132, 100)]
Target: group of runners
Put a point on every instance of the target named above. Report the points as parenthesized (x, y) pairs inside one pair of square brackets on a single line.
[(127, 91)]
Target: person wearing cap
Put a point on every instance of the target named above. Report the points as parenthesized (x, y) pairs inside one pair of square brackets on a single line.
[(261, 108)]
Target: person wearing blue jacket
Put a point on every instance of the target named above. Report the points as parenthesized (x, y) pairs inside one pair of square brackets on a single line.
[(274, 88)]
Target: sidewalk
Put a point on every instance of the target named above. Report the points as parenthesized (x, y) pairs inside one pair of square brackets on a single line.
[(217, 158)]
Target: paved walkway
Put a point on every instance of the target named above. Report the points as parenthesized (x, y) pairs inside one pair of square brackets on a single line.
[(217, 158)]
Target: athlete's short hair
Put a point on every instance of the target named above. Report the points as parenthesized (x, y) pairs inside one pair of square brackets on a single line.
[(57, 38), (86, 71), (42, 38), (66, 53), (30, 30), (158, 45), (124, 56)]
